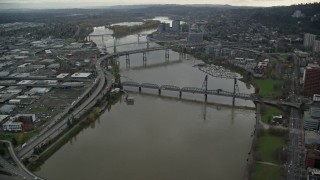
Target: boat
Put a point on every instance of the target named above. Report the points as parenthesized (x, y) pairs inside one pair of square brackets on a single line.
[(130, 100)]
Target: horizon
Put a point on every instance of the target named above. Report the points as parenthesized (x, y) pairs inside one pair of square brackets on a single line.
[(85, 4)]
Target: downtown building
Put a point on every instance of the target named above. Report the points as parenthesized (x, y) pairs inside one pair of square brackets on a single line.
[(316, 46), (311, 79), (308, 40), (176, 26)]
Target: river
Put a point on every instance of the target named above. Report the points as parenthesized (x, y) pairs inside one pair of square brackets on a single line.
[(160, 138)]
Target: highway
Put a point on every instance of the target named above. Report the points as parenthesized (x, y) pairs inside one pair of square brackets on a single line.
[(18, 169), (295, 166), (55, 129)]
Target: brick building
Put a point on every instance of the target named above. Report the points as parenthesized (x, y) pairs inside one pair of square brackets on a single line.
[(311, 81)]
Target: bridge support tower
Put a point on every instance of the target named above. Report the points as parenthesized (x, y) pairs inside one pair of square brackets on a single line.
[(205, 87), (167, 54), (127, 60), (235, 90), (181, 54)]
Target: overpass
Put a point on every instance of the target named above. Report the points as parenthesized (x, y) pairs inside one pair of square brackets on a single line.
[(19, 169)]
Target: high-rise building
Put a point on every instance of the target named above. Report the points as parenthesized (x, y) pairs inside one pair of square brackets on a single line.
[(161, 27), (167, 27), (308, 40), (311, 79), (176, 26), (316, 46)]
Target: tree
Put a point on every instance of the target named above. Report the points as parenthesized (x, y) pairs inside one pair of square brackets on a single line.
[(257, 90), (14, 141), (69, 123), (21, 138)]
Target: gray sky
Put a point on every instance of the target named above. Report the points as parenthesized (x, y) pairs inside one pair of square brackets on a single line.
[(83, 3)]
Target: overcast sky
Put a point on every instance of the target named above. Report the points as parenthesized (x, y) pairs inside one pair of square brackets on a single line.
[(84, 3)]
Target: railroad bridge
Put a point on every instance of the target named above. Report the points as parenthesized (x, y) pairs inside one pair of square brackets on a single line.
[(194, 90), (217, 92)]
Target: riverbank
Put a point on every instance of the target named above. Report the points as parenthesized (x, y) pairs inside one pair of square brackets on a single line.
[(267, 152), (75, 125)]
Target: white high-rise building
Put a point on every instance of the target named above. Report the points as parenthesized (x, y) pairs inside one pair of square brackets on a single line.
[(316, 46), (308, 40)]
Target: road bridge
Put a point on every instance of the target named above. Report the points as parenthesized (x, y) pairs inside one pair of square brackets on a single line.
[(217, 92), (143, 51), (194, 90)]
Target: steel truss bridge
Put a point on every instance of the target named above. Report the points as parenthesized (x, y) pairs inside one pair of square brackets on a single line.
[(194, 90)]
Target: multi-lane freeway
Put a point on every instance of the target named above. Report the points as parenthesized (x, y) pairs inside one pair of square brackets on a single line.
[(54, 129), (295, 166)]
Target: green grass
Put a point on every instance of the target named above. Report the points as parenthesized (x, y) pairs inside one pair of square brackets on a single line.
[(38, 110), (267, 147), (9, 137), (266, 85), (266, 172), (269, 112)]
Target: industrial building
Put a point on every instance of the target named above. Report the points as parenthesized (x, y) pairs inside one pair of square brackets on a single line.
[(12, 126)]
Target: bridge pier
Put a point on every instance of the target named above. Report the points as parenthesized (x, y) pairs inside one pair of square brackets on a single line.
[(205, 97), (127, 59), (181, 55), (144, 58), (139, 89), (114, 49), (167, 54), (159, 92), (180, 94)]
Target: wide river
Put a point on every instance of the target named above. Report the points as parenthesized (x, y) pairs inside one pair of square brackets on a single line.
[(159, 137)]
